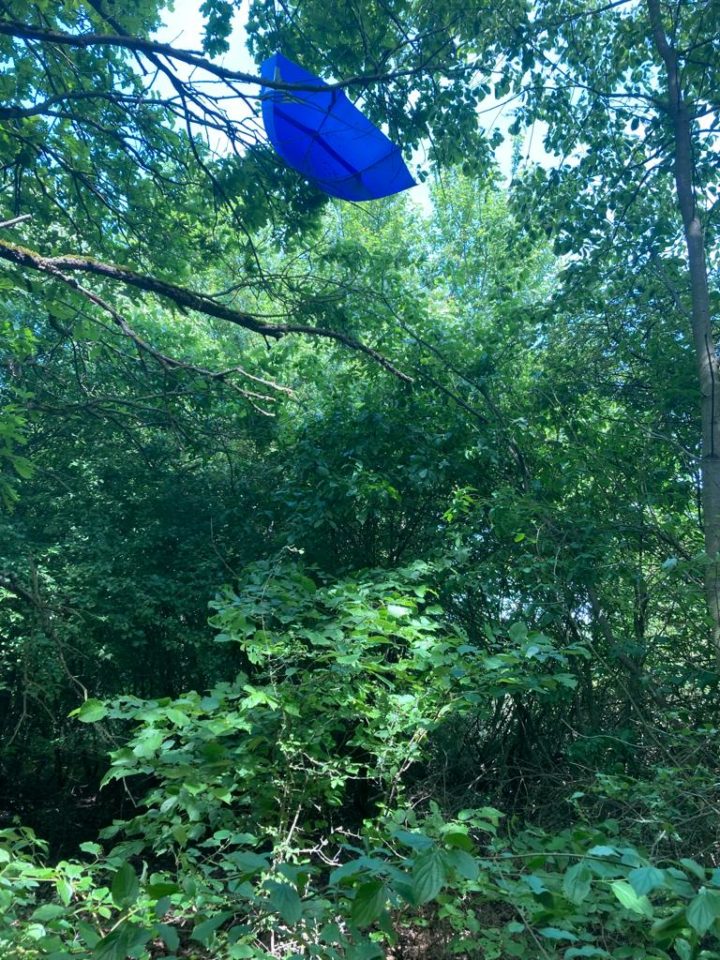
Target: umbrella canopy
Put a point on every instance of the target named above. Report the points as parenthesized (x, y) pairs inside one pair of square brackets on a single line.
[(326, 139)]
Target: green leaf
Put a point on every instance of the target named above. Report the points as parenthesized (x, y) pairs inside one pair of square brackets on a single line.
[(703, 910), (646, 879), (536, 884), (630, 900), (88, 934), (64, 890), (459, 839), (577, 882), (36, 931), (418, 841), (554, 933), (248, 862), (349, 869), (669, 926), (91, 711), (694, 868), (203, 932), (463, 863), (683, 949), (602, 851), (286, 901), (48, 911), (125, 887), (369, 903), (127, 940), (162, 888), (89, 847), (396, 610), (23, 467), (428, 876), (587, 951), (331, 933), (169, 936)]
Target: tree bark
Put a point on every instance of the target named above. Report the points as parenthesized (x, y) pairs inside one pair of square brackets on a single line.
[(706, 357)]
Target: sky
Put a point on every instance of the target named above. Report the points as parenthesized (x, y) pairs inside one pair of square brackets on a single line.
[(184, 28)]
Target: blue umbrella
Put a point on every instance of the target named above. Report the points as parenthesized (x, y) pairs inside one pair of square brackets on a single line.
[(326, 139)]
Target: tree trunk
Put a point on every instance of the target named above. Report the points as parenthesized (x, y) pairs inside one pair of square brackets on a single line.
[(705, 352)]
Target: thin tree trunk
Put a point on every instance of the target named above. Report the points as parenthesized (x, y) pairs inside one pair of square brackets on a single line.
[(705, 352)]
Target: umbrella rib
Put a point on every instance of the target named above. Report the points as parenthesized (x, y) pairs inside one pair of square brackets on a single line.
[(314, 135)]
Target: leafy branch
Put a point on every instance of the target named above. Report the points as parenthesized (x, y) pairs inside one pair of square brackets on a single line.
[(58, 268)]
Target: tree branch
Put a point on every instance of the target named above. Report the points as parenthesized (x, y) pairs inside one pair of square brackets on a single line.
[(23, 31), (57, 268)]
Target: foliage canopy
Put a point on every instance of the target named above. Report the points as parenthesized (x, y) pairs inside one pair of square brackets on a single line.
[(359, 580)]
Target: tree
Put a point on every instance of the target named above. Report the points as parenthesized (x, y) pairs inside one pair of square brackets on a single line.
[(120, 167), (462, 577), (690, 76), (627, 94)]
